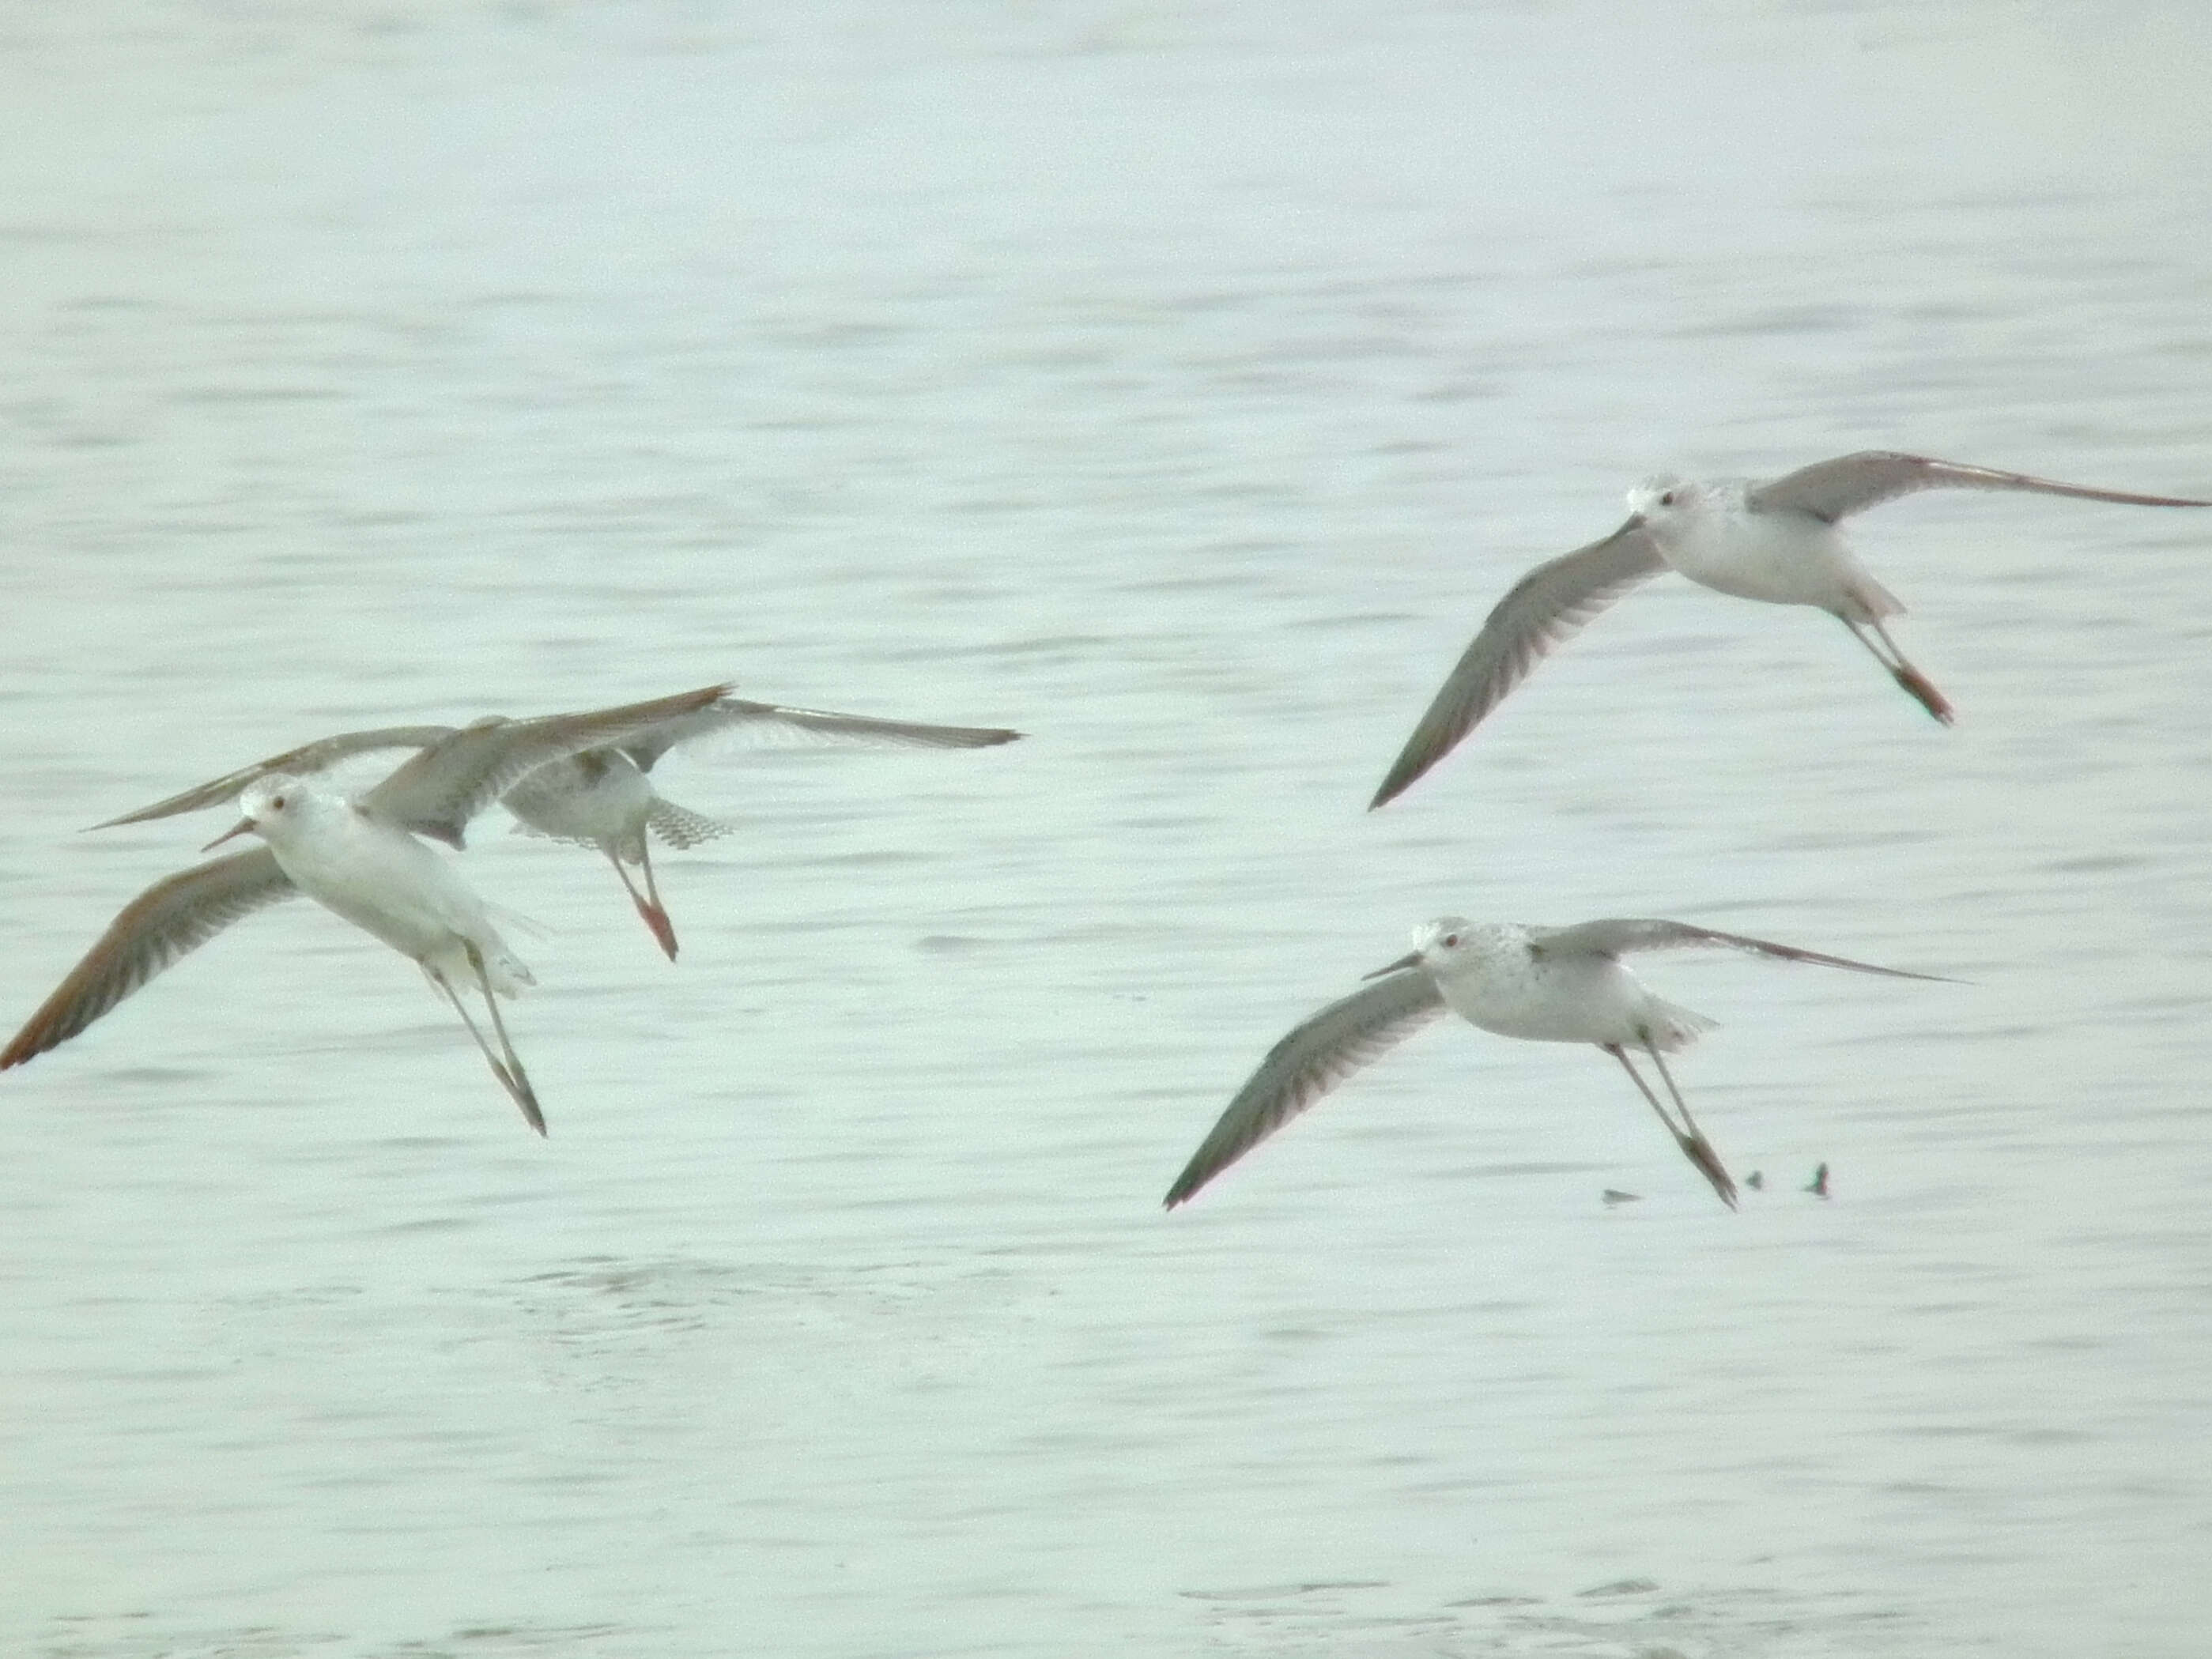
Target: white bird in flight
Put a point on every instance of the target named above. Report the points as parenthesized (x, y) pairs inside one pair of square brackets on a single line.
[(1545, 984), (360, 859), (1776, 541), (599, 797)]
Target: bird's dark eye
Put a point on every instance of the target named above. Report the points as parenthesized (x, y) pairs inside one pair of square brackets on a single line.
[(277, 803), (1451, 941), (1666, 498)]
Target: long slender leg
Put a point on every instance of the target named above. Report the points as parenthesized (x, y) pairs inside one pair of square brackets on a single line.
[(1915, 682), (1917, 685), (1673, 1093), (1699, 1149), (1643, 1088), (1693, 1145), (666, 931), (656, 917), (467, 1019), (519, 1095), (517, 1080)]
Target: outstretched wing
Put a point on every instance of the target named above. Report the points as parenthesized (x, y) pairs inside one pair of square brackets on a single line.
[(1541, 611), (1852, 483), (441, 789), (163, 923), (307, 759), (1307, 1064), (1617, 936), (769, 721)]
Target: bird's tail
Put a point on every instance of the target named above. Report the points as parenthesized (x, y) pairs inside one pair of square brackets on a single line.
[(449, 967), (681, 827), (1673, 1026), (1875, 600), (507, 973)]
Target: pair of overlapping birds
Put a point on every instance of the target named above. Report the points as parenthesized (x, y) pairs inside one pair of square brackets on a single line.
[(586, 778)]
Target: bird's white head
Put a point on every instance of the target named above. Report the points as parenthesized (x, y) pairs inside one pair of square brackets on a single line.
[(272, 804), (1667, 502), (1438, 945), (1444, 939)]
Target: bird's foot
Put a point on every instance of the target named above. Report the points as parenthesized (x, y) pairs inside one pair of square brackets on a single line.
[(1707, 1162), (1922, 691)]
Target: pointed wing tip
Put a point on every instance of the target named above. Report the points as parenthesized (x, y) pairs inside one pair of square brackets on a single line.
[(1190, 1182), (159, 809), (1424, 751), (1399, 780), (973, 737), (41, 1034), (1887, 973)]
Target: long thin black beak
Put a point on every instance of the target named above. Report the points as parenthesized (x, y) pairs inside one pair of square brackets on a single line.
[(244, 826), (1411, 959)]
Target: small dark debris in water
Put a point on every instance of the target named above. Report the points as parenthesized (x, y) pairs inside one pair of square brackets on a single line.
[(1755, 1181), (1622, 1587), (1614, 1196), (1819, 1184)]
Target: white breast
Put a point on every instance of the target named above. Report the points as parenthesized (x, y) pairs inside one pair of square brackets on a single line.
[(1783, 558), (1506, 989), (381, 879)]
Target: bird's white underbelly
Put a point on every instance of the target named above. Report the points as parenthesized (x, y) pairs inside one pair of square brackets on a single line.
[(392, 886), (570, 804), (1779, 558), (1580, 1000)]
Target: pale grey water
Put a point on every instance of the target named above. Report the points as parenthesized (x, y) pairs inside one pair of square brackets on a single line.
[(1181, 385)]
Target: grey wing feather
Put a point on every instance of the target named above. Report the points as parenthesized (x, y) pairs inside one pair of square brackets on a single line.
[(1852, 483), (307, 758), (1307, 1064), (740, 714), (1540, 612), (163, 923), (1617, 936), (440, 790)]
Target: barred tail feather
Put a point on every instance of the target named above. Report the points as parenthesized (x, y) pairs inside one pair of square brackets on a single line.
[(682, 828)]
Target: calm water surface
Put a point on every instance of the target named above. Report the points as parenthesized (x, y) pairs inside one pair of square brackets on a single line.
[(1182, 384)]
